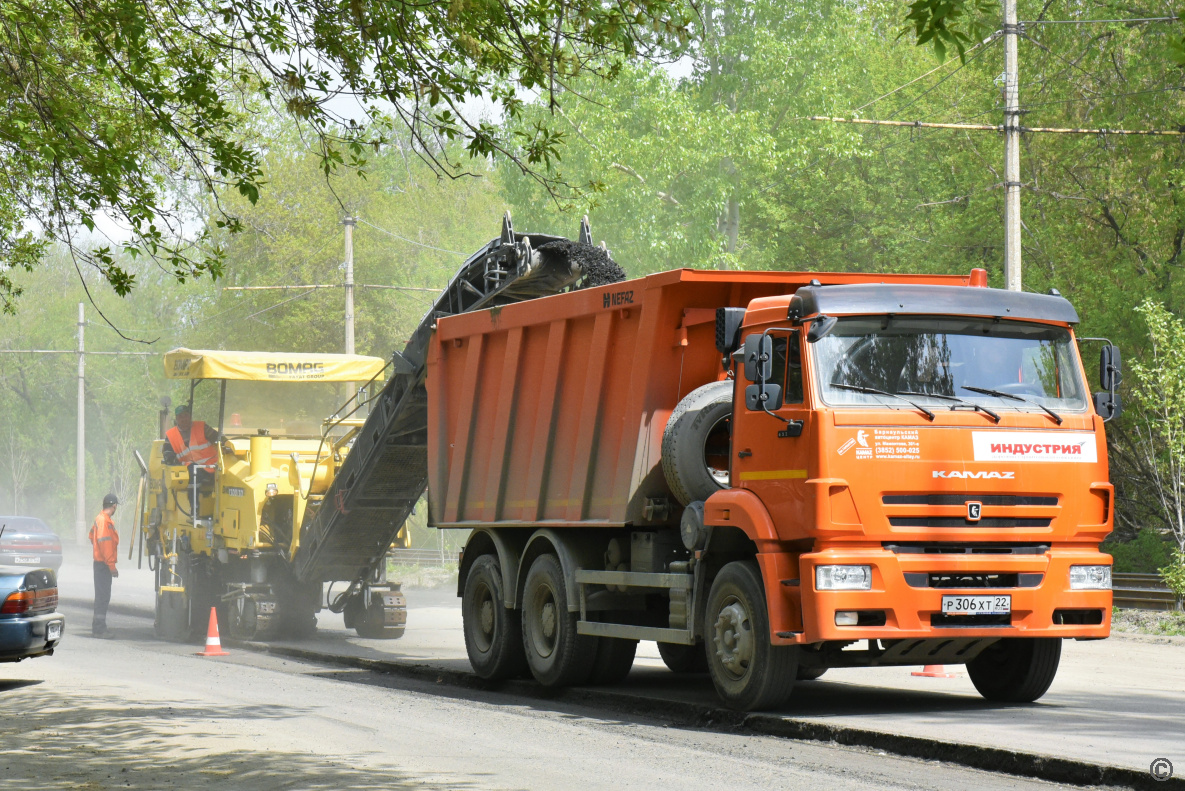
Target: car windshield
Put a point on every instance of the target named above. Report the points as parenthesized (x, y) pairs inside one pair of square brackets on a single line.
[(945, 356), (291, 409)]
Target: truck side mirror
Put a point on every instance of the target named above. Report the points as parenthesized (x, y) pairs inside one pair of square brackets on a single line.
[(763, 397), (759, 355), (1110, 370), (1108, 405)]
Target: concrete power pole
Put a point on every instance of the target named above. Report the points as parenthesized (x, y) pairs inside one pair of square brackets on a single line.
[(80, 452), (349, 223), (1011, 151)]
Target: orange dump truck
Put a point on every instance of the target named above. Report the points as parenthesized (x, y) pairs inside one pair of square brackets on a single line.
[(771, 474)]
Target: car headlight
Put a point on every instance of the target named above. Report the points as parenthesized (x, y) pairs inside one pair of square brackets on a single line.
[(843, 578), (1090, 578)]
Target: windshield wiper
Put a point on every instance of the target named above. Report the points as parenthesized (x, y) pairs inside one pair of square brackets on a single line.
[(1002, 394), (972, 404), (860, 389)]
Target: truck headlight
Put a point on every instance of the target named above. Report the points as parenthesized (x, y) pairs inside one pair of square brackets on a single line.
[(843, 578), (1090, 578)]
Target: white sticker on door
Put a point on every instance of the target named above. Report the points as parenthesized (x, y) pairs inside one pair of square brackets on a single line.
[(1034, 446)]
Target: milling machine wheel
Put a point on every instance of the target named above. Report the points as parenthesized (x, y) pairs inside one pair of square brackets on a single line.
[(252, 618)]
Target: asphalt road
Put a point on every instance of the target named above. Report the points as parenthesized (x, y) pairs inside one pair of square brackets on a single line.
[(135, 713), (1118, 702)]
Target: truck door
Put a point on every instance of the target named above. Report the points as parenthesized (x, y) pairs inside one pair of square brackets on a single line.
[(771, 455)]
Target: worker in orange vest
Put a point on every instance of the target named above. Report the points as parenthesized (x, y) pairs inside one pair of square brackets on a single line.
[(105, 540), (193, 443)]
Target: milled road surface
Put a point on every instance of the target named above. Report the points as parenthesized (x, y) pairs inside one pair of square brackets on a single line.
[(1118, 702), (134, 713)]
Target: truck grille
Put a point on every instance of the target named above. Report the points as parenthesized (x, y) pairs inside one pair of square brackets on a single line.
[(963, 499), (958, 521), (960, 548), (989, 580)]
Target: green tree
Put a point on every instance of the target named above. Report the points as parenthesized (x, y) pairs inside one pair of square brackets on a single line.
[(677, 164), (126, 109), (1159, 394)]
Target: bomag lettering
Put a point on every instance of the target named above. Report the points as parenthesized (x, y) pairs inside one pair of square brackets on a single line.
[(307, 370)]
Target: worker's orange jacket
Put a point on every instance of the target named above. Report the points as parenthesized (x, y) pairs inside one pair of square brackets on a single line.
[(203, 454), (105, 539)]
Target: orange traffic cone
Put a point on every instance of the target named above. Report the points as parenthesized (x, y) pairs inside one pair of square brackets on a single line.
[(213, 641), (935, 671)]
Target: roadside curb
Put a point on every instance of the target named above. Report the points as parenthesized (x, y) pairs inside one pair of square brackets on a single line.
[(993, 759), (698, 715)]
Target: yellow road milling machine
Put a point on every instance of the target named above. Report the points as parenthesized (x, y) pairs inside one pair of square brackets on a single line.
[(223, 516)]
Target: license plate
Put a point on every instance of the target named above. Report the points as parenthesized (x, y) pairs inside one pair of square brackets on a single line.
[(26, 560), (53, 630), (976, 605)]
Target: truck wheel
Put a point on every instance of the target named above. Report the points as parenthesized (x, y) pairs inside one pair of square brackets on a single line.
[(750, 674), (684, 659), (810, 673), (615, 659), (493, 632), (696, 443), (556, 654), (1016, 669)]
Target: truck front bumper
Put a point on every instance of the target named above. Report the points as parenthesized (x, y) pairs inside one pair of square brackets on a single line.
[(913, 609)]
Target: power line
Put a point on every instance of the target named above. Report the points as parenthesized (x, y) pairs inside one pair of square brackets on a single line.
[(922, 77), (924, 93), (410, 241), (999, 127), (1099, 21)]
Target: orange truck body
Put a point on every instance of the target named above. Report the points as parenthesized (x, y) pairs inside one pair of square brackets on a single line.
[(549, 415)]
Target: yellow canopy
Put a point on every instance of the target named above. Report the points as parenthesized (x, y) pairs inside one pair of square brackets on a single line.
[(270, 366)]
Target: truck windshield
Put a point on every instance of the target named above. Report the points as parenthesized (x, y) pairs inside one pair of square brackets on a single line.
[(943, 356)]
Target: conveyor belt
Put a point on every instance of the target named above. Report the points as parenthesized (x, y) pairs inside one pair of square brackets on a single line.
[(386, 470)]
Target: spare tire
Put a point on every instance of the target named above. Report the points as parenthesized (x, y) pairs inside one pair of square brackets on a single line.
[(696, 443)]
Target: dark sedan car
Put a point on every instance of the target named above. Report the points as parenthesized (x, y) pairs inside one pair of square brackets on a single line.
[(30, 624), (27, 541)]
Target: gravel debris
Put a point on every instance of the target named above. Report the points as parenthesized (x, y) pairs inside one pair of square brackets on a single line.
[(599, 269)]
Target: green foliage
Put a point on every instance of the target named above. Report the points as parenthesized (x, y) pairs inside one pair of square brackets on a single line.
[(1145, 554), (125, 110), (1174, 573), (949, 23)]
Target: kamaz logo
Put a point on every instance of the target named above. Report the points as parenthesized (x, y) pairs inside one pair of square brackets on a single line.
[(1006, 476)]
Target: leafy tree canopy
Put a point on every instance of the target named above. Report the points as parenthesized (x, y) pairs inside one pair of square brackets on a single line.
[(131, 109)]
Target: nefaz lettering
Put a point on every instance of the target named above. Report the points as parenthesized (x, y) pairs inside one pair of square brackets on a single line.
[(295, 369), (1004, 476), (617, 298)]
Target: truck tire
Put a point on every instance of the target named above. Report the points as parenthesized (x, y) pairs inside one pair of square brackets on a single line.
[(749, 673), (615, 659), (1016, 669), (493, 634), (684, 659), (810, 673), (556, 654), (695, 443)]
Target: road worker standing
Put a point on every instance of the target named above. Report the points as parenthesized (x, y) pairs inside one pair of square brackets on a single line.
[(105, 540)]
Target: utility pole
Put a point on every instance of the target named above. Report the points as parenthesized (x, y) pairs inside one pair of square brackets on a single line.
[(1012, 256), (349, 223), (80, 451)]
